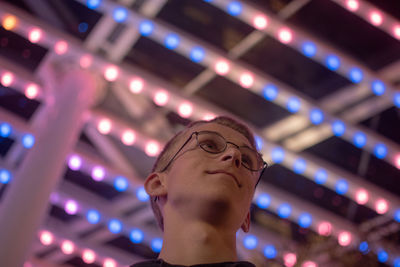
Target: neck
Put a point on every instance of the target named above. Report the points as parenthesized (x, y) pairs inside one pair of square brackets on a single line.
[(196, 242)]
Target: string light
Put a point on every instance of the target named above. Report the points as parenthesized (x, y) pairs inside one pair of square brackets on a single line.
[(246, 80), (31, 91), (98, 173), (86, 61), (9, 22), (185, 110), (111, 73), (136, 85), (109, 263), (381, 206), (396, 31), (260, 22), (221, 67), (362, 196), (71, 207), (46, 238), (104, 126), (88, 256), (344, 238), (7, 79), (61, 47), (128, 137), (289, 259), (285, 36), (152, 148), (161, 98), (75, 162), (375, 18), (35, 35), (67, 247), (352, 5), (325, 228)]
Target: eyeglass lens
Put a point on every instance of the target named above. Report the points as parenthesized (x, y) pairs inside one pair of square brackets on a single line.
[(215, 143)]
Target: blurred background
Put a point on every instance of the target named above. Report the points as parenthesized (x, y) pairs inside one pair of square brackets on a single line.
[(92, 89)]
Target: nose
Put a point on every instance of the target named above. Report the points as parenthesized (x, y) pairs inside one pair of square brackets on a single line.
[(233, 154)]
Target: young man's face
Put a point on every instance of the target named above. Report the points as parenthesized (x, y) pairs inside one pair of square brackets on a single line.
[(202, 181)]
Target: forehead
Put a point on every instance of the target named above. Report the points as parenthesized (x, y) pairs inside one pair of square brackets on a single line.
[(228, 133)]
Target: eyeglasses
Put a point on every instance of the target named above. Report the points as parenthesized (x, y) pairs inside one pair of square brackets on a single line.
[(214, 143)]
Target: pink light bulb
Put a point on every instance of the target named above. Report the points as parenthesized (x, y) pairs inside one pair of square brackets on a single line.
[(352, 5), (35, 35), (71, 207), (309, 264), (396, 31), (362, 196), (289, 259), (128, 137), (397, 161), (152, 148), (74, 162), (46, 238), (185, 110), (104, 126), (161, 98), (246, 80), (85, 61), (260, 22), (285, 35), (375, 18), (31, 91), (7, 79), (325, 228), (88, 256), (111, 73), (98, 173), (381, 206), (208, 117), (67, 247), (222, 67), (136, 85), (61, 47), (344, 238), (109, 263)]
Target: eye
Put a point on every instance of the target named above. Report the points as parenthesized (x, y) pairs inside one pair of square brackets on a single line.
[(209, 145), (247, 160)]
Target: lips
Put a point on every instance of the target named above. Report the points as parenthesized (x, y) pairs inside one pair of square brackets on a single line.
[(228, 173)]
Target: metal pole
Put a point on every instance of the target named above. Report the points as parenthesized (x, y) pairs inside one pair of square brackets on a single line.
[(26, 201)]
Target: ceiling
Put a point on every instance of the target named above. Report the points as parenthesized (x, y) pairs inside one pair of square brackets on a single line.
[(316, 65)]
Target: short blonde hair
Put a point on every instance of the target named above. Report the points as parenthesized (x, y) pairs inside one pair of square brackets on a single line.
[(168, 152)]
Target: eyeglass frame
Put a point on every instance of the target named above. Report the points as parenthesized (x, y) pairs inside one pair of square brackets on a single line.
[(265, 164)]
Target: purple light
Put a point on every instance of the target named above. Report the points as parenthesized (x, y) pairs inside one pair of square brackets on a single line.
[(71, 207), (75, 162), (98, 173)]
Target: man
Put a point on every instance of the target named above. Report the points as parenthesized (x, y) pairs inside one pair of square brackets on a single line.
[(201, 189)]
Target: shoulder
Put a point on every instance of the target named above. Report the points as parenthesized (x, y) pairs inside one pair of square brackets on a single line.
[(227, 264)]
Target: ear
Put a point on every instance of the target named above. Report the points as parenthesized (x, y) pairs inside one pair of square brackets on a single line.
[(155, 184), (246, 224)]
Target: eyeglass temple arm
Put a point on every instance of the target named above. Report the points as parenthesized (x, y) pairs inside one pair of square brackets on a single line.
[(180, 149)]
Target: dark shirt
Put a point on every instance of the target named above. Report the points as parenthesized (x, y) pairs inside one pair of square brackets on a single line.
[(160, 262)]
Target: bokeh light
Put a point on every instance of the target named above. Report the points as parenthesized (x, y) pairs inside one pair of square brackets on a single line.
[(128, 137), (344, 238)]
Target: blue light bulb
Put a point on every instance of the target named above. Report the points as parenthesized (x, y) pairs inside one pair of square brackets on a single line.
[(171, 41), (197, 54), (5, 130), (263, 200), (270, 92), (28, 141), (341, 186), (270, 252), (299, 166), (250, 242), (382, 255), (316, 116), (120, 14), (293, 104), (121, 183), (378, 87), (93, 216), (355, 75), (234, 8), (146, 27), (115, 226), (277, 154), (380, 151), (359, 139), (5, 176), (156, 244), (136, 236), (309, 49), (332, 62), (338, 128), (284, 210), (93, 4), (142, 195), (320, 176), (305, 220)]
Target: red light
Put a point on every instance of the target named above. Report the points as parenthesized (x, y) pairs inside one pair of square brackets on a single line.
[(362, 196), (109, 263), (7, 79), (309, 264), (222, 67), (325, 228), (88, 256), (85, 61), (285, 36), (344, 239), (289, 259), (396, 31), (67, 247), (185, 110), (35, 35), (128, 137), (381, 206), (46, 238), (31, 91), (111, 73), (375, 18), (136, 85), (104, 126), (152, 149), (61, 47), (397, 161), (208, 117), (161, 98), (246, 80), (352, 5), (260, 22)]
